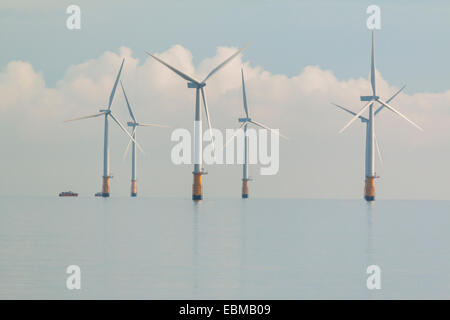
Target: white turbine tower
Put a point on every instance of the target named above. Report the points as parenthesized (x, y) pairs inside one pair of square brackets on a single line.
[(107, 113), (197, 193), (134, 124), (244, 123), (369, 190)]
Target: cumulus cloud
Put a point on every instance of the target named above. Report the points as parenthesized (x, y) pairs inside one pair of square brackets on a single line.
[(299, 106)]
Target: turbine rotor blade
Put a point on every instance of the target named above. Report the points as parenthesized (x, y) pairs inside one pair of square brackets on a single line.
[(220, 66), (244, 96), (125, 130), (400, 114), (234, 134), (86, 117), (267, 128), (356, 116), (209, 120), (153, 125), (372, 65), (350, 111), (128, 103), (129, 144), (378, 148), (111, 97), (178, 72), (390, 99)]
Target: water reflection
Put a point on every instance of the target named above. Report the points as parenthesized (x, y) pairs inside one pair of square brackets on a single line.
[(370, 249), (370, 252), (218, 246), (242, 248), (195, 264), (223, 249)]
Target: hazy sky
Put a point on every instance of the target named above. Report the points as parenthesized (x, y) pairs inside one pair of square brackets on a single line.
[(304, 55)]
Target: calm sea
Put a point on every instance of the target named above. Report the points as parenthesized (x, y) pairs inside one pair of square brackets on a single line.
[(148, 248)]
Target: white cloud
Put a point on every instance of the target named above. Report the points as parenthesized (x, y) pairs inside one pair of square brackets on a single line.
[(299, 106)]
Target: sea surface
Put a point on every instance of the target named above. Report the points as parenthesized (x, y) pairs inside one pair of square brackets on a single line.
[(148, 248)]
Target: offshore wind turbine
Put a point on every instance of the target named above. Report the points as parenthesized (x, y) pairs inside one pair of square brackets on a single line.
[(134, 124), (244, 123), (369, 189), (197, 192), (106, 111)]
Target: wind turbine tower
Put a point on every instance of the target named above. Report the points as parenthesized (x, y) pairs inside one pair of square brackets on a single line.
[(106, 111), (371, 104), (199, 86), (134, 124), (244, 123)]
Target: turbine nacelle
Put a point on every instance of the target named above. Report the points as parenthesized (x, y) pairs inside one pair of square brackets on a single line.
[(369, 98), (244, 119), (132, 124), (104, 111), (194, 85)]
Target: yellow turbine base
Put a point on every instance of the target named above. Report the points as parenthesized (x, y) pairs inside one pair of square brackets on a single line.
[(244, 188), (197, 187), (105, 187), (369, 189), (133, 188)]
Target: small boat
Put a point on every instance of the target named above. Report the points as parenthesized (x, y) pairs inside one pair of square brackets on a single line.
[(68, 194)]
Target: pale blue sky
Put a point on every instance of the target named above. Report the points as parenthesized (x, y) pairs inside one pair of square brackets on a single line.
[(287, 35)]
